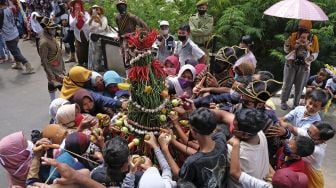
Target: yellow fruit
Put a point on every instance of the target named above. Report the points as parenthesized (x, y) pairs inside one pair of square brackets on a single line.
[(147, 137), (164, 94), (173, 113), (124, 86), (184, 122), (164, 110), (136, 141), (148, 89), (175, 102)]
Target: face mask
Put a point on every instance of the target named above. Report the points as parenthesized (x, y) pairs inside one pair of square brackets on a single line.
[(19, 171), (164, 31), (122, 8), (185, 83), (182, 38), (201, 12), (170, 71)]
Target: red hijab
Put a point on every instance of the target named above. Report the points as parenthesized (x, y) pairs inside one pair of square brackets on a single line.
[(80, 19)]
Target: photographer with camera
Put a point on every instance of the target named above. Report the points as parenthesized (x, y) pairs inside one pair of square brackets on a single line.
[(302, 48)]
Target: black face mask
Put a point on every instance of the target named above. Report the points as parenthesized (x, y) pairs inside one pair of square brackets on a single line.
[(182, 38), (122, 8), (201, 12)]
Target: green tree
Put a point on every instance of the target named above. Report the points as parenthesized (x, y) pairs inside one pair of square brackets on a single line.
[(234, 18)]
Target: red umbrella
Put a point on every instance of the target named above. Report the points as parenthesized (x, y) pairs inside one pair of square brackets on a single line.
[(297, 9)]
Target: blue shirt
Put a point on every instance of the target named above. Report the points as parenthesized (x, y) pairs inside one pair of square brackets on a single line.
[(9, 29), (296, 117)]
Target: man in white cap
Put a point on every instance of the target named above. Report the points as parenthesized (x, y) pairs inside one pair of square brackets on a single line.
[(165, 42)]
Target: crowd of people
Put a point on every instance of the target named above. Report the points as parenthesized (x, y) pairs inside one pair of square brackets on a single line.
[(223, 129)]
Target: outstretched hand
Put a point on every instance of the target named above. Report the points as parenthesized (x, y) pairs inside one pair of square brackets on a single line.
[(152, 142)]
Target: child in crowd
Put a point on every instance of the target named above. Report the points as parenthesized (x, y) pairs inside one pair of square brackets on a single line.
[(248, 125), (304, 116), (291, 154), (331, 87), (319, 132), (317, 81), (283, 178)]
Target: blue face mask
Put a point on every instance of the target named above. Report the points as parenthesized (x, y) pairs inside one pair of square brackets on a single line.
[(185, 83)]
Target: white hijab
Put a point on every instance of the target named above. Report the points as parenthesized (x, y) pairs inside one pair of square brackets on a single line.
[(178, 89), (35, 25)]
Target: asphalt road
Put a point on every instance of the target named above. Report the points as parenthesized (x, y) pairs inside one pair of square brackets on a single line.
[(25, 101)]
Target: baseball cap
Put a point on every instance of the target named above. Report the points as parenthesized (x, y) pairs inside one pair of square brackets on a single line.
[(164, 22)]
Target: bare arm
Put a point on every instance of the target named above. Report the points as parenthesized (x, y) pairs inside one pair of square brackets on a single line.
[(235, 170), (183, 148), (164, 143)]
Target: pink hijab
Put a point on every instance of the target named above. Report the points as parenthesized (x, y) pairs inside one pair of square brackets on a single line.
[(16, 157), (176, 65)]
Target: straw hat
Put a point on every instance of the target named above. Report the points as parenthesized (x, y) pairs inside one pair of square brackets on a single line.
[(102, 10), (47, 23)]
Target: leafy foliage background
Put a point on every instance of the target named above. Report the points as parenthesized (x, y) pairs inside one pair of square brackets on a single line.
[(234, 18)]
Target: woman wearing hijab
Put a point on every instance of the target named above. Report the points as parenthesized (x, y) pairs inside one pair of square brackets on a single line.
[(111, 80), (93, 103), (77, 78), (78, 20), (69, 116), (76, 145), (171, 65), (97, 82), (183, 82), (54, 106), (15, 157)]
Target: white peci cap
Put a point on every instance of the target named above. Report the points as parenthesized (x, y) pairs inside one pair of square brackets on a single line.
[(164, 22)]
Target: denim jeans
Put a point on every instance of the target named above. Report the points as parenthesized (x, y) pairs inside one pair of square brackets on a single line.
[(13, 47), (3, 48)]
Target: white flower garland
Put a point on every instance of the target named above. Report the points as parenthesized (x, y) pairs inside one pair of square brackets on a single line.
[(138, 131), (157, 109), (141, 55)]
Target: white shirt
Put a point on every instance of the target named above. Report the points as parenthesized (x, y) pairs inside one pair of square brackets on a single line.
[(253, 159), (315, 159), (249, 57), (248, 181), (189, 50), (35, 25), (85, 29), (95, 27), (331, 84)]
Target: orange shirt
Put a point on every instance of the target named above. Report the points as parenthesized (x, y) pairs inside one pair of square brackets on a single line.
[(314, 46)]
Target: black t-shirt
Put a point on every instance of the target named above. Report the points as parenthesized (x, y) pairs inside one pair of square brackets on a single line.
[(208, 169)]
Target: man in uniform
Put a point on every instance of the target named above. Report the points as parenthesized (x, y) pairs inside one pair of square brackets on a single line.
[(201, 24), (127, 23), (51, 57)]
